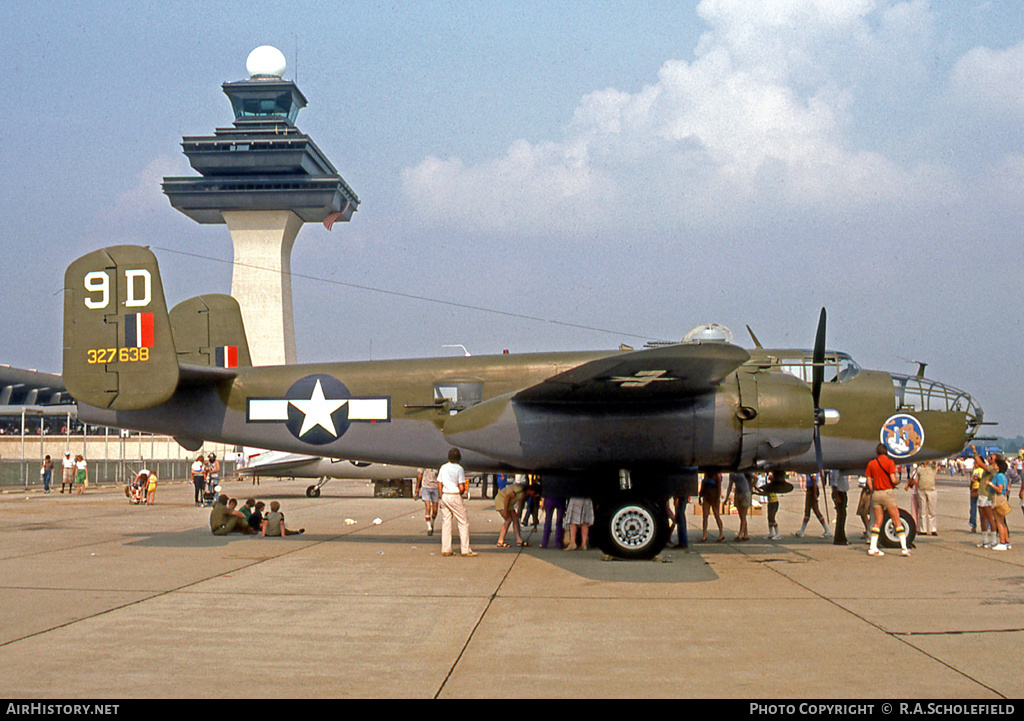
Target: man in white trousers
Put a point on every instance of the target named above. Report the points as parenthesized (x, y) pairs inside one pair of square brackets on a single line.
[(451, 482)]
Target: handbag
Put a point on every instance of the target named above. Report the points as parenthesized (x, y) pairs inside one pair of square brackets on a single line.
[(1003, 509)]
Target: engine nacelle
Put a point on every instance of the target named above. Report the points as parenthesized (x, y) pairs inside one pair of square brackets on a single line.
[(776, 414)]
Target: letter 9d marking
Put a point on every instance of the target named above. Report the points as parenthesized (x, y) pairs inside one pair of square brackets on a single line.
[(138, 283)]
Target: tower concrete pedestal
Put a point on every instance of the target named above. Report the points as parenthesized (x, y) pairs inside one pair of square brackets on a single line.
[(263, 242)]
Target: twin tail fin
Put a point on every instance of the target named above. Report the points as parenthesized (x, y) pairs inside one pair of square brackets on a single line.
[(123, 350)]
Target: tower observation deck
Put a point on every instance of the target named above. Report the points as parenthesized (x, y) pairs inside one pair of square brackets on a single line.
[(263, 178)]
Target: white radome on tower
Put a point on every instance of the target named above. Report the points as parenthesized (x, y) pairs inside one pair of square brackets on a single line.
[(266, 61)]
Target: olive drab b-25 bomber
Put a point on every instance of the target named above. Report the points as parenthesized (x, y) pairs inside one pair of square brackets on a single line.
[(629, 428)]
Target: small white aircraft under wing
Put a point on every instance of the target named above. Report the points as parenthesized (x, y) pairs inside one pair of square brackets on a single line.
[(279, 464)]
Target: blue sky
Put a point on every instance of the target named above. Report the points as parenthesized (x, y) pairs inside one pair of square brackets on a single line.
[(635, 167)]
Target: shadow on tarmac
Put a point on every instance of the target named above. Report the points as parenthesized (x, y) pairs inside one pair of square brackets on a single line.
[(673, 566)]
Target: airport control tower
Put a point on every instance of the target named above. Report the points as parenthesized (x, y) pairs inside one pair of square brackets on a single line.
[(263, 179)]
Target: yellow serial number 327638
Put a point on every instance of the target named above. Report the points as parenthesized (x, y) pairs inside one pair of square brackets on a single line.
[(116, 355)]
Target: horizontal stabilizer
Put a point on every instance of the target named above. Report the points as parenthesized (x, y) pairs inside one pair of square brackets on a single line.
[(189, 444), (192, 375)]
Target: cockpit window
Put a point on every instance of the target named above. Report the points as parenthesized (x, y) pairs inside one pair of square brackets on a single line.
[(847, 367), (839, 367), (459, 394), (920, 394)]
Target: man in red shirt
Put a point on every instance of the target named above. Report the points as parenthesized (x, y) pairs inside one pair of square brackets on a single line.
[(881, 474)]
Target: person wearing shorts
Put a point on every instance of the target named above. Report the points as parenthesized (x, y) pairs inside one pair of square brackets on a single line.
[(426, 490), (68, 470), (509, 503), (987, 468), (881, 474)]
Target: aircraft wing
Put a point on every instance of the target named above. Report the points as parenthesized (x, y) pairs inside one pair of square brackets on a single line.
[(661, 373), (280, 464), (297, 465)]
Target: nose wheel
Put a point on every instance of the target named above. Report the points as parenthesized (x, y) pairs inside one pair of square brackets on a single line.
[(314, 490), (888, 537)]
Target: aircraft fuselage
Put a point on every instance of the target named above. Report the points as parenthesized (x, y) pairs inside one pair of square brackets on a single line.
[(397, 412)]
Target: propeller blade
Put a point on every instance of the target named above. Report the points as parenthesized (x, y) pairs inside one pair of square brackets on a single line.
[(817, 378), (817, 451), (818, 370)]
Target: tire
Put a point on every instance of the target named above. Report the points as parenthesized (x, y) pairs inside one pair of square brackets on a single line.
[(888, 538), (633, 529), (312, 492)]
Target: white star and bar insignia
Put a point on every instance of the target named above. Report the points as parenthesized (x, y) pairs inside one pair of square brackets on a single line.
[(318, 409)]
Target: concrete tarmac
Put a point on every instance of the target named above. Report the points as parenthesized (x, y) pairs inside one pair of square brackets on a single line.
[(101, 599)]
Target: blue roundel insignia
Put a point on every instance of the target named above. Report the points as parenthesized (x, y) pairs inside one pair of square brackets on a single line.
[(903, 435), (318, 409)]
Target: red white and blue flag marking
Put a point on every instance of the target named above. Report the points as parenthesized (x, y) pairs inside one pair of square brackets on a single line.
[(138, 330), (227, 356)]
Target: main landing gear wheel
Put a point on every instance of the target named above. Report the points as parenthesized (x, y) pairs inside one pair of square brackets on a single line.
[(888, 538), (633, 529)]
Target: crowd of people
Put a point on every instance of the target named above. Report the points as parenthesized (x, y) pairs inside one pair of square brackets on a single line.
[(567, 521), (74, 474), (519, 498), (226, 517)]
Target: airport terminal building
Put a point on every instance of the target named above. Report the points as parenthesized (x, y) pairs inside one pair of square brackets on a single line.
[(38, 418)]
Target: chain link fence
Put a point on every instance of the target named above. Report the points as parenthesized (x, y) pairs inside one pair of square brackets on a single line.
[(25, 474), (112, 458)]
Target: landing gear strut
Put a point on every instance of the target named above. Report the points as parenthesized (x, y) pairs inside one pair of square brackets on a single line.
[(314, 490)]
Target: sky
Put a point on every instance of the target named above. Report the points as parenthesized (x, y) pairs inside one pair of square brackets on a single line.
[(600, 172)]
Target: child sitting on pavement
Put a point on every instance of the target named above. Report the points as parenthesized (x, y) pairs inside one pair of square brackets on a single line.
[(273, 524)]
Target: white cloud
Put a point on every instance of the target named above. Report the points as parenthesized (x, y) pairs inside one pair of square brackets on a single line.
[(510, 193), (759, 118), (990, 79)]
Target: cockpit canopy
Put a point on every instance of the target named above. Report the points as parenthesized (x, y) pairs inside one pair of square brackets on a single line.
[(839, 367)]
